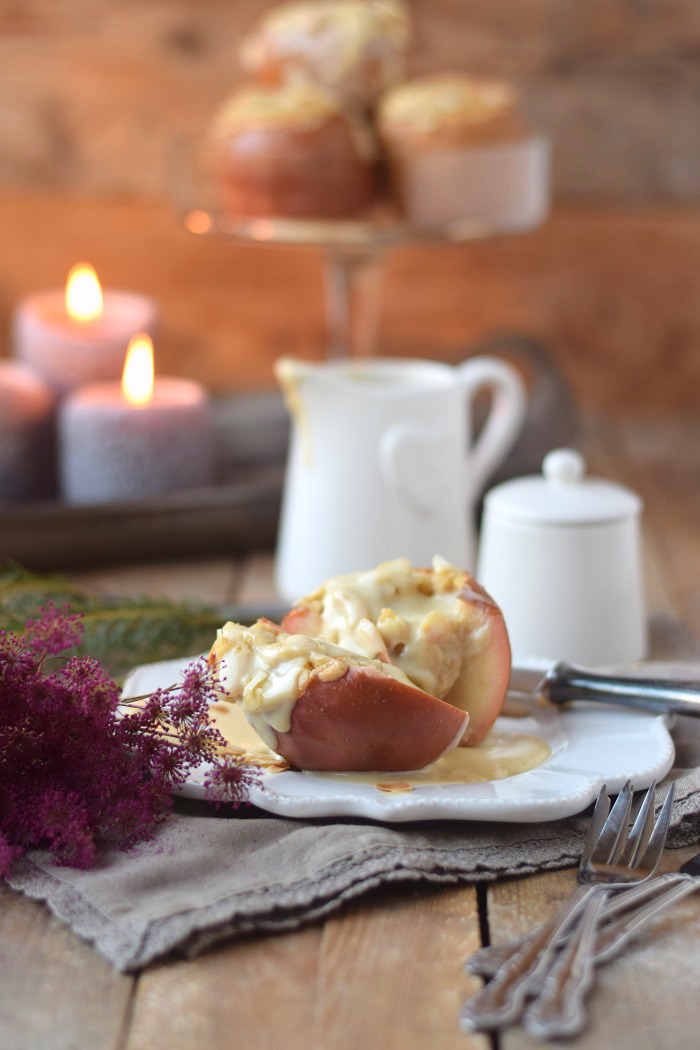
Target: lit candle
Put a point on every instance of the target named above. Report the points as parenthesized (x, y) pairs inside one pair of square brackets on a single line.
[(136, 440), (27, 453), (80, 335)]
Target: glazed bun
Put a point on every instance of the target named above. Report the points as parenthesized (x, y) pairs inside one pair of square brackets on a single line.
[(355, 49), (437, 626), (291, 152), (322, 708), (457, 150), (448, 110)]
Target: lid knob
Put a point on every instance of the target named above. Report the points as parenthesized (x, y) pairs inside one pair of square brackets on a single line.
[(563, 466)]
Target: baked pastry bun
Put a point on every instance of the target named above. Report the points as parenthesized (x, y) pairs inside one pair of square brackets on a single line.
[(455, 150), (291, 152), (322, 708), (355, 49), (447, 110), (437, 626)]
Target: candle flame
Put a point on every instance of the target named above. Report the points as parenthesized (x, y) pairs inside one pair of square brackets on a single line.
[(137, 379), (83, 293)]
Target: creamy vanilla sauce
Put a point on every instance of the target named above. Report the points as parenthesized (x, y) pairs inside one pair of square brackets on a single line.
[(396, 614), (241, 739), (266, 671), (497, 756)]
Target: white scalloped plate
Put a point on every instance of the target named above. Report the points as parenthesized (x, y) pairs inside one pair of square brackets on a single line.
[(591, 745)]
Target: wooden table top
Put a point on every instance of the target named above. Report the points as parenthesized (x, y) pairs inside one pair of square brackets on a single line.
[(386, 972)]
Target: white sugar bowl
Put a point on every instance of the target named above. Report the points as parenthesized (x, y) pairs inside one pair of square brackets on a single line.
[(561, 554)]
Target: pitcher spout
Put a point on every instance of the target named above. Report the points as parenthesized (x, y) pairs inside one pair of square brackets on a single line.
[(292, 369)]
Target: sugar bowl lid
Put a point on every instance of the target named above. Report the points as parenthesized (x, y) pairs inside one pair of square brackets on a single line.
[(562, 495)]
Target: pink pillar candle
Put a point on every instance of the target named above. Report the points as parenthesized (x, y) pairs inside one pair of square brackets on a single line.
[(27, 446), (68, 352), (112, 450)]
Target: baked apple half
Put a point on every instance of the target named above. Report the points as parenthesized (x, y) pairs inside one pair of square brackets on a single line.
[(323, 708), (438, 626)]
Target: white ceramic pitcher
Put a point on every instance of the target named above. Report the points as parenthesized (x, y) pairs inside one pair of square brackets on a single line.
[(382, 463)]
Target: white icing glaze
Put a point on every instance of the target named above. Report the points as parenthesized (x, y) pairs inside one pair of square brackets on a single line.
[(297, 105), (432, 103), (334, 41)]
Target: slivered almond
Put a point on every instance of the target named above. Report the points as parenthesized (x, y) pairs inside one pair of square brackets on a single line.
[(333, 670)]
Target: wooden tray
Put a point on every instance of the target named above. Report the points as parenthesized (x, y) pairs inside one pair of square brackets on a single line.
[(238, 514)]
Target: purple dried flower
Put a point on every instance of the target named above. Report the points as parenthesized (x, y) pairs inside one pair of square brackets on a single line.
[(198, 682), (55, 631), (89, 683), (76, 775), (230, 781), (8, 854)]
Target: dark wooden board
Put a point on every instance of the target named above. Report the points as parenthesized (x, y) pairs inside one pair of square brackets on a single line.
[(227, 519), (237, 515)]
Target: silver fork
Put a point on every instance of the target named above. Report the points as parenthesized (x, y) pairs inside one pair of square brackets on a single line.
[(611, 856), (559, 1010)]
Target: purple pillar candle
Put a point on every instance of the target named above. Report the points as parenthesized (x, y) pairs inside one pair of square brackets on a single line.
[(114, 448), (81, 335), (27, 449)]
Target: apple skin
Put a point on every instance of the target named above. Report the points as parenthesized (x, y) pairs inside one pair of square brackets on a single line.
[(482, 683), (303, 619), (480, 688), (368, 722)]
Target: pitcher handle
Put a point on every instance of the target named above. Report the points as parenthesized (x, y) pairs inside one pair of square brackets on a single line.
[(504, 421)]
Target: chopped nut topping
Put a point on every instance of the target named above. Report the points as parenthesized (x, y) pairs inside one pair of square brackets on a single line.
[(333, 670)]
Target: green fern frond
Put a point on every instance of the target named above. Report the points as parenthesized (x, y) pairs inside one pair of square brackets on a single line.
[(119, 632)]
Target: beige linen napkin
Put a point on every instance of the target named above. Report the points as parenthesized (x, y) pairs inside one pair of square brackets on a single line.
[(209, 875)]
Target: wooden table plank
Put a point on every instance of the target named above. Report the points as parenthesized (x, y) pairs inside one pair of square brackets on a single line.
[(257, 580), (196, 579), (383, 975), (57, 992), (257, 994), (391, 972)]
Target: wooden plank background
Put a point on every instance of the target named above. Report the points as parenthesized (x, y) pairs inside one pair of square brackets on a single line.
[(614, 294), (93, 91)]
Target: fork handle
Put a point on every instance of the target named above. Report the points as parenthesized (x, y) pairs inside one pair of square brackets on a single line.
[(667, 696), (485, 962), (559, 1010), (501, 1002), (611, 940)]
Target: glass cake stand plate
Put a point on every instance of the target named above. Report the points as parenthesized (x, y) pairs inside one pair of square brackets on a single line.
[(503, 189), (590, 745)]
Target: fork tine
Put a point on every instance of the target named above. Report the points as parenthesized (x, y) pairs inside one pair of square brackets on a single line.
[(600, 815), (641, 832), (613, 836), (657, 840)]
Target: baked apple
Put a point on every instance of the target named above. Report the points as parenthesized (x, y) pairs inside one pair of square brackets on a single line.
[(437, 626), (323, 708)]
